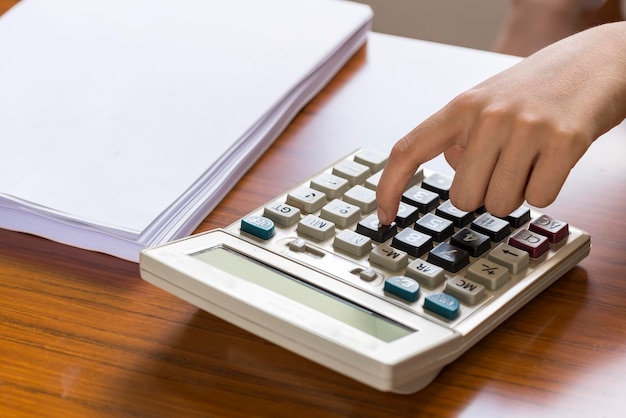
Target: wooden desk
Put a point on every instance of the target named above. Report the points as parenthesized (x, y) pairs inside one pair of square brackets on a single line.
[(81, 335)]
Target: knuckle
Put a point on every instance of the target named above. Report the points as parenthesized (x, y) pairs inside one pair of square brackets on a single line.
[(467, 101), (569, 142), (400, 148)]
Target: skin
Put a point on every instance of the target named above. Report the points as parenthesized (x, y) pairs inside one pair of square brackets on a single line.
[(517, 135)]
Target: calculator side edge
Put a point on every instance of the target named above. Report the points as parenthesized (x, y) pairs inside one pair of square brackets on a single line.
[(389, 377), (474, 329)]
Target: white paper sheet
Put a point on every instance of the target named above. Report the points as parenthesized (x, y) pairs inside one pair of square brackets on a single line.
[(111, 111)]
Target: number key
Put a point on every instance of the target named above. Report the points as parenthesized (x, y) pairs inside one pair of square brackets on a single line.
[(412, 242)]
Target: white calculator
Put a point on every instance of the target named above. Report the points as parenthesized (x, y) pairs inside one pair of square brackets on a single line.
[(314, 272)]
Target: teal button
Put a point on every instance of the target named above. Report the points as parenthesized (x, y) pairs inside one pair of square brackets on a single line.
[(403, 287), (443, 304), (259, 226)]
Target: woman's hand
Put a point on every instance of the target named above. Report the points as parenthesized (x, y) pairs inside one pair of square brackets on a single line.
[(517, 135)]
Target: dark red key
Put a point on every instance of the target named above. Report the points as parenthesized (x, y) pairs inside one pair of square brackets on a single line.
[(534, 244), (549, 227)]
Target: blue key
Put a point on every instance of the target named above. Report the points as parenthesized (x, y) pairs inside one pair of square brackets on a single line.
[(442, 304), (403, 287), (259, 226)]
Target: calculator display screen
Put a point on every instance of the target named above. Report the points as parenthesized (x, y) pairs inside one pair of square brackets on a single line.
[(304, 293)]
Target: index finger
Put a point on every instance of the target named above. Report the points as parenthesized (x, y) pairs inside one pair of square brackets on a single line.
[(423, 143)]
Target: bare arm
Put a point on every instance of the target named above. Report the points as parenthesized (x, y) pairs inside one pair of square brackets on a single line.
[(517, 135)]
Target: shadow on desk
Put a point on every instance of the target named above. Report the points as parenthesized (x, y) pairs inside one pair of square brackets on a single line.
[(216, 366)]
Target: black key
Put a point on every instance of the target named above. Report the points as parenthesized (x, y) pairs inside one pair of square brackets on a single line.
[(518, 217), (473, 242), (449, 257), (424, 200), (371, 227), (495, 228), (412, 242), (407, 214), (435, 226), (481, 210), (459, 217), (439, 184)]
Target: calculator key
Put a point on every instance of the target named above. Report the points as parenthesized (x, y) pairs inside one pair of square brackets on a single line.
[(495, 228), (315, 227), (512, 258), (367, 274), (352, 171), (306, 199), (353, 243), (439, 184), (418, 176), (388, 257), (412, 242), (332, 186), (403, 287), (282, 213), (489, 274), (374, 159), (362, 197), (372, 181), (297, 245), (466, 290), (442, 304), (423, 199), (475, 243), (406, 215), (519, 216), (551, 228), (534, 244), (340, 213), (371, 227), (459, 217), (427, 274), (480, 210), (448, 257), (435, 226), (259, 226)]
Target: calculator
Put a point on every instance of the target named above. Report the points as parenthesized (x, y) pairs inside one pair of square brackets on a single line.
[(315, 272)]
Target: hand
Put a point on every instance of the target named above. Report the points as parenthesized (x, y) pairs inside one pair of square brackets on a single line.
[(517, 135)]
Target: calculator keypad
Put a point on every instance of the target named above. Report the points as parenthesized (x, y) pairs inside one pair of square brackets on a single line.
[(434, 260)]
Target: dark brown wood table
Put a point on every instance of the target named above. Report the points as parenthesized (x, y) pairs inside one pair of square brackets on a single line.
[(81, 335)]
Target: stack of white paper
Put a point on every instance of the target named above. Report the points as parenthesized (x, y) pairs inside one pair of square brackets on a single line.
[(124, 122)]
